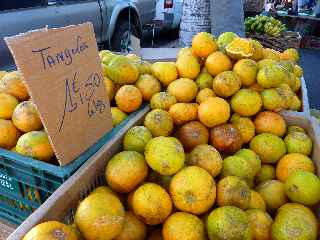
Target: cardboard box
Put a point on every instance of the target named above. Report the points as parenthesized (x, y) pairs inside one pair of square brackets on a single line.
[(62, 204)]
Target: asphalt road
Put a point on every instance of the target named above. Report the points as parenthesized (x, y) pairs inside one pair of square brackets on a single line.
[(309, 60)]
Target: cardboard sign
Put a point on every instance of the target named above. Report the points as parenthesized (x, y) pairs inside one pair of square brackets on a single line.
[(63, 74)]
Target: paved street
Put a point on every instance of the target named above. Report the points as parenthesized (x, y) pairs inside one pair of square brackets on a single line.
[(310, 61)]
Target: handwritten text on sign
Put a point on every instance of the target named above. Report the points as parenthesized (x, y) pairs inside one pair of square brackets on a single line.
[(62, 70), (76, 94), (85, 92)]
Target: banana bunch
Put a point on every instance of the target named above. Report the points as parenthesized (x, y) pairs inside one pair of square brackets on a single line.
[(264, 24)]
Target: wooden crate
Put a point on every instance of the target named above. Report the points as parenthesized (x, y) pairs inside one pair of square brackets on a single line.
[(62, 204), (253, 5), (286, 40)]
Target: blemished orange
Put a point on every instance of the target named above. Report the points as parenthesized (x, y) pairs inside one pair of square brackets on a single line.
[(183, 112), (186, 226), (50, 230), (35, 144), (26, 118), (123, 177), (128, 98), (148, 85), (12, 84), (193, 190), (151, 203)]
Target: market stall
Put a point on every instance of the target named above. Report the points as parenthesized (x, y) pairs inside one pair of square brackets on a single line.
[(228, 111)]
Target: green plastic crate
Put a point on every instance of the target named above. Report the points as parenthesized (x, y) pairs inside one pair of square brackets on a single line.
[(25, 183)]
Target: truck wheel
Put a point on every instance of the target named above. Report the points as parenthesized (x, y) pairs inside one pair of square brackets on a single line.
[(120, 41)]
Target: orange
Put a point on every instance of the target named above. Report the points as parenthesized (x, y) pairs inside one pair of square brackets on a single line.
[(184, 89), (148, 85), (26, 118), (12, 84), (165, 155), (151, 203), (218, 62), (267, 172), (133, 228), (228, 223), (136, 139), (203, 44), (159, 122), (9, 134), (121, 70), (100, 214), (192, 134), (256, 87), (290, 54), (256, 201), (295, 221), (165, 72), (204, 94), (128, 98), (226, 84), (183, 112), (270, 122), (273, 193), (188, 66), (162, 100), (214, 111), (240, 48), (245, 126), (232, 191), (186, 226), (291, 163), (110, 88), (247, 70), (193, 190), (269, 53), (35, 144), (258, 50), (204, 80), (7, 105), (206, 157), (261, 223), (125, 171), (117, 116), (51, 230)]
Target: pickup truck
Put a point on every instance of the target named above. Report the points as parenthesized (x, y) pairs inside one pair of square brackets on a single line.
[(114, 20), (168, 14)]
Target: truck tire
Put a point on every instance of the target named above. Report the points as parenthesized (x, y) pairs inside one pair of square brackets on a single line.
[(121, 36)]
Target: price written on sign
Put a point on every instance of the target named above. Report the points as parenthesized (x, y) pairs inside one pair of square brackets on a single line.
[(63, 73), (77, 95), (77, 92)]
